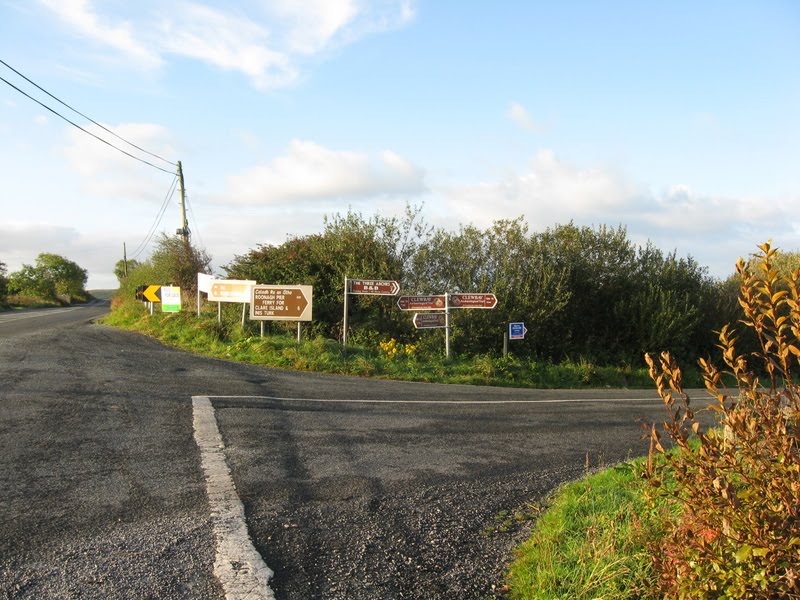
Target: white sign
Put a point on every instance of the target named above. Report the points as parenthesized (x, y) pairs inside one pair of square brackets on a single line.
[(230, 290), (170, 298), (204, 282)]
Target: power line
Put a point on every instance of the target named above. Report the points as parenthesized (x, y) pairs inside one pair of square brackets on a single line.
[(75, 110), (164, 205), (194, 219), (81, 128)]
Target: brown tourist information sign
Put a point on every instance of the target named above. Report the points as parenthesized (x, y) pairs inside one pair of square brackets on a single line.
[(281, 303), (421, 302), (376, 287), (430, 320), (473, 300)]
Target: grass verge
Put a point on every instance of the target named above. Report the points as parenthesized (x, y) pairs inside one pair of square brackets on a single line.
[(591, 542), (228, 340)]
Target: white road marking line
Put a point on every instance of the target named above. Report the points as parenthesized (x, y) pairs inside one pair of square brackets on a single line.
[(20, 316), (654, 399), (238, 566)]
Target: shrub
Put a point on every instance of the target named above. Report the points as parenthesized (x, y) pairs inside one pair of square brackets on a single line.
[(738, 490)]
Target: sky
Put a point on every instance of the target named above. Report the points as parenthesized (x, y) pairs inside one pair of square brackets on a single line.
[(679, 120)]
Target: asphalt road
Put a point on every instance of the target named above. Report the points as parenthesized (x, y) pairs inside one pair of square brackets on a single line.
[(352, 488)]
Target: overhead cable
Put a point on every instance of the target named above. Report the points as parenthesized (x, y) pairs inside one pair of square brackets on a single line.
[(75, 110), (146, 241), (82, 129)]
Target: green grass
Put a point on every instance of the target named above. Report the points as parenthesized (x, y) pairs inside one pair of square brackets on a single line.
[(591, 543), (204, 335)]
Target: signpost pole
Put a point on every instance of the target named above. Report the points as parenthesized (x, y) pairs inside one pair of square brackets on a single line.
[(198, 301), (344, 321), (262, 329), (219, 312), (447, 325), (505, 344), (244, 308), (298, 332)]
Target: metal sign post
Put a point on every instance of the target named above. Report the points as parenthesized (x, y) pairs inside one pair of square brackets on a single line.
[(447, 326)]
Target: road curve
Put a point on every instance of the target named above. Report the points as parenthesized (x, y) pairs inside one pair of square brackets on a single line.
[(352, 488)]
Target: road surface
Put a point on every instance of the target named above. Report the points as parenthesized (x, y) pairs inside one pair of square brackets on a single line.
[(351, 488)]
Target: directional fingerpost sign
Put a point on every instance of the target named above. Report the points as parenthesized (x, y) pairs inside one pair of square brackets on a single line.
[(281, 302), (375, 287), (421, 302), (430, 320), (473, 300), (517, 331)]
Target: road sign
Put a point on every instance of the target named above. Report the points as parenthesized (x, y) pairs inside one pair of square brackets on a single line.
[(430, 320), (473, 300), (230, 290), (517, 331), (204, 282), (421, 302), (376, 287), (170, 298), (150, 293), (281, 302)]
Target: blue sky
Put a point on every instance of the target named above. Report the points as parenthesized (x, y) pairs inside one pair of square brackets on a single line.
[(677, 119)]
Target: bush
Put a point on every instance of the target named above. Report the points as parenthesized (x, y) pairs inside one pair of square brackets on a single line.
[(738, 490)]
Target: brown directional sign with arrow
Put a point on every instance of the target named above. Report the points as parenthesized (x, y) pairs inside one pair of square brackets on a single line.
[(473, 300), (281, 303), (377, 287), (421, 302), (430, 320), (230, 290)]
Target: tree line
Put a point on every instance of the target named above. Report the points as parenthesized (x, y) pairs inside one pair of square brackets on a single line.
[(52, 279), (584, 293)]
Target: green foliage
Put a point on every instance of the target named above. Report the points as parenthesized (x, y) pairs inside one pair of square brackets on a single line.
[(3, 283), (52, 278), (738, 535), (122, 270), (390, 359), (174, 261), (350, 246), (591, 542)]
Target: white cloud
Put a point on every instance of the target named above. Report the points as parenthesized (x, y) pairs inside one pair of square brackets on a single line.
[(551, 191), (266, 41), (715, 230), (314, 23), (519, 115), (228, 42), (110, 174), (310, 171), (80, 15)]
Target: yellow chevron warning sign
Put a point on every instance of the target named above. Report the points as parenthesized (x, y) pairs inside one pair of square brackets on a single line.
[(152, 293)]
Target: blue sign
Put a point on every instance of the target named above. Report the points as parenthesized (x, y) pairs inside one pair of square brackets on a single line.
[(516, 331)]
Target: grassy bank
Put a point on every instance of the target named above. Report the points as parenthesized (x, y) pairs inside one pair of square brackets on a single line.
[(389, 360), (592, 542)]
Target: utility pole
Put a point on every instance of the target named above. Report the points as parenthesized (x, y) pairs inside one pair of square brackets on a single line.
[(184, 230), (124, 259)]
